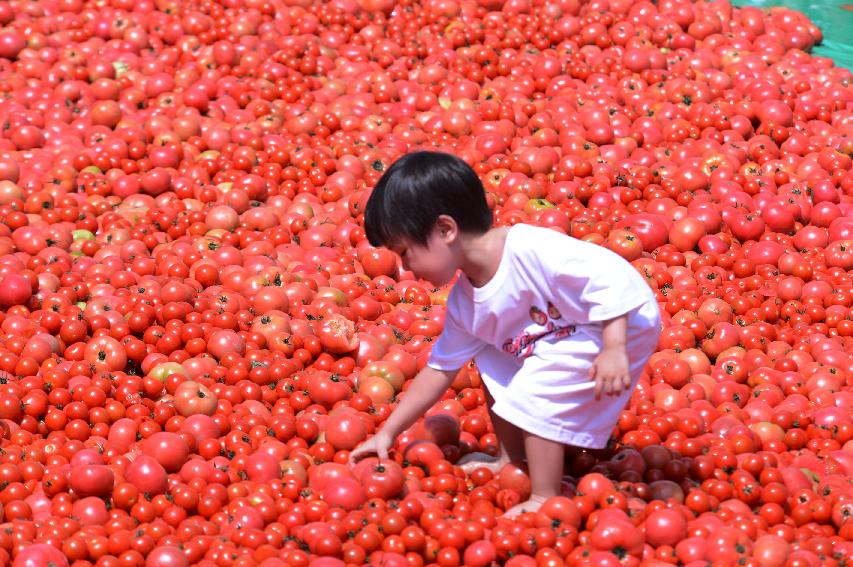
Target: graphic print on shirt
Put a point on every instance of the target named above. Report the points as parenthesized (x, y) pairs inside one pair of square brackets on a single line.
[(522, 344)]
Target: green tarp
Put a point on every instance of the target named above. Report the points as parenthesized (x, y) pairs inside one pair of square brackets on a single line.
[(833, 17)]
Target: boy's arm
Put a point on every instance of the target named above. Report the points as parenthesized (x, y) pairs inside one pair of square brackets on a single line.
[(610, 369), (426, 389), (615, 333)]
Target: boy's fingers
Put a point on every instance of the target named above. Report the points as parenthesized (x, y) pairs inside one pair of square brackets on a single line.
[(358, 454), (616, 385), (593, 375)]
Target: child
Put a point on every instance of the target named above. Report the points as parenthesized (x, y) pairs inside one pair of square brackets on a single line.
[(552, 322)]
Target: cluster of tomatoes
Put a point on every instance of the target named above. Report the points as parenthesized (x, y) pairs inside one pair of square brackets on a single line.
[(195, 332)]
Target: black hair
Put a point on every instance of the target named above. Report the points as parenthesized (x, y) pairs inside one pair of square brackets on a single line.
[(419, 187)]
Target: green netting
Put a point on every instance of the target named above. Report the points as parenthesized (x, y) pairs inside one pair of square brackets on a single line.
[(833, 17)]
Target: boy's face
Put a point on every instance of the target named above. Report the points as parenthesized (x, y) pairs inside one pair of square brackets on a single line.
[(434, 262)]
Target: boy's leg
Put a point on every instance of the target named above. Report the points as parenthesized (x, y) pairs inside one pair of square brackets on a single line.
[(545, 465), (510, 439)]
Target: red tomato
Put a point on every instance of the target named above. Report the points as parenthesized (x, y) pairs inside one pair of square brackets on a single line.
[(625, 243), (562, 509), (345, 431), (14, 290), (91, 480), (90, 511), (380, 478), (378, 262), (106, 353), (612, 534), (594, 485), (262, 467), (192, 398), (337, 334), (686, 233), (167, 556), (147, 474), (328, 389), (480, 553), (346, 493), (515, 478), (38, 555), (651, 229), (665, 527), (324, 474), (169, 449)]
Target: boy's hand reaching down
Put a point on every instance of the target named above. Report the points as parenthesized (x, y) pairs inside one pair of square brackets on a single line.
[(377, 445), (610, 372)]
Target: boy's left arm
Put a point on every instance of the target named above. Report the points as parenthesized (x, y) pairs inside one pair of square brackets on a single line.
[(610, 369)]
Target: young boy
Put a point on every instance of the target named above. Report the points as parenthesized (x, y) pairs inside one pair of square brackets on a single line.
[(560, 329)]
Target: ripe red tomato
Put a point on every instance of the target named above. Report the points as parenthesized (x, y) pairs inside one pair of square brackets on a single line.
[(345, 430), (147, 474), (91, 480), (651, 229), (513, 477), (328, 389), (686, 233), (378, 262), (324, 474), (607, 536), (168, 556), (594, 485), (346, 493), (562, 509), (262, 467), (480, 553), (665, 527), (192, 398), (625, 243), (37, 554), (14, 290), (380, 478), (169, 449)]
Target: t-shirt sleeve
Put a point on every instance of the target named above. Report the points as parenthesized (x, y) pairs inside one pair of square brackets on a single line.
[(594, 284), (454, 347)]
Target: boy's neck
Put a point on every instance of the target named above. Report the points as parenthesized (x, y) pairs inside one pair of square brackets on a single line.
[(481, 254)]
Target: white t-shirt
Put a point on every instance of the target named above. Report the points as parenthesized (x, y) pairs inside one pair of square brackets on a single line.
[(535, 329)]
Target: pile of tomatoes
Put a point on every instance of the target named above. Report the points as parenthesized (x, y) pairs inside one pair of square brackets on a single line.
[(195, 333)]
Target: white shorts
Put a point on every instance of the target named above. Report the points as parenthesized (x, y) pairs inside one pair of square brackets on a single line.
[(551, 395)]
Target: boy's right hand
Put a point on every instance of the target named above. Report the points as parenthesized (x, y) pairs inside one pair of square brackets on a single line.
[(377, 445)]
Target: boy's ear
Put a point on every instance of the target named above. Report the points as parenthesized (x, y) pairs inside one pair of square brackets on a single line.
[(447, 228)]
